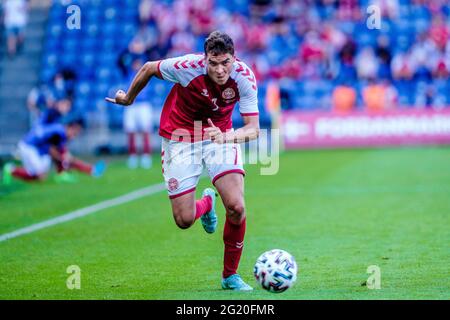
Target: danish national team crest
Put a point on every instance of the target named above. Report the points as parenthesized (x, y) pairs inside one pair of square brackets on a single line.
[(172, 184), (228, 94)]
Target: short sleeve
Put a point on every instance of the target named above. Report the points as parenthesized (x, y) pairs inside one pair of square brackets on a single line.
[(248, 92), (167, 70), (181, 69)]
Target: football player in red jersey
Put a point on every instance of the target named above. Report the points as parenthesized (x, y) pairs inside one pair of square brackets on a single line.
[(197, 132)]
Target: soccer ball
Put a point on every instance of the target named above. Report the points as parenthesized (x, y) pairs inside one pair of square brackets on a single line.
[(275, 270)]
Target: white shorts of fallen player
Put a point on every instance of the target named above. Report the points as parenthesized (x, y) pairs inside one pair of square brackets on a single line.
[(137, 118), (183, 163), (34, 163)]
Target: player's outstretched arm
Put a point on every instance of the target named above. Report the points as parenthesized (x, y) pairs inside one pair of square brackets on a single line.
[(148, 70)]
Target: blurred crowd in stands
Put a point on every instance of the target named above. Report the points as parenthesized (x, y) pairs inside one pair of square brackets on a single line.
[(320, 53), (314, 40)]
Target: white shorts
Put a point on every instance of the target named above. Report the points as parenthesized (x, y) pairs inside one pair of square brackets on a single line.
[(183, 163), (34, 163), (137, 118)]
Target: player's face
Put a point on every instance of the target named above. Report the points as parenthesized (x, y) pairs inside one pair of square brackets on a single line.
[(63, 106), (219, 67), (72, 131)]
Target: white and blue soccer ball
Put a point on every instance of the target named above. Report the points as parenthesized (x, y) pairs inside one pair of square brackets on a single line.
[(276, 270)]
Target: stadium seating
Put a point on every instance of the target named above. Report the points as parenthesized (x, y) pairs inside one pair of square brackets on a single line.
[(108, 26)]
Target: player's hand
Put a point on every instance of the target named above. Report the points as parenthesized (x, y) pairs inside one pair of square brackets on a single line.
[(121, 98), (214, 133)]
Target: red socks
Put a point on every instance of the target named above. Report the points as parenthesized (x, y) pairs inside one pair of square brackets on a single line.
[(131, 143), (81, 166), (146, 146), (22, 174), (74, 164), (202, 206), (147, 149), (233, 237)]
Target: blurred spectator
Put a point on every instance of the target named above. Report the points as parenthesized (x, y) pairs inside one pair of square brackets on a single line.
[(380, 96), (136, 49), (61, 86), (383, 53), (344, 98), (182, 42), (138, 120), (147, 36), (313, 55), (291, 69), (424, 95), (69, 78), (15, 21), (346, 71), (367, 64), (259, 8), (439, 32), (348, 51), (145, 11), (313, 48), (39, 99), (201, 17), (273, 97), (401, 66), (332, 35), (389, 8), (347, 9), (423, 53), (441, 67), (257, 37)]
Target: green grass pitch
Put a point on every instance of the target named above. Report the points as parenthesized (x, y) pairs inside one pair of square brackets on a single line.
[(337, 211)]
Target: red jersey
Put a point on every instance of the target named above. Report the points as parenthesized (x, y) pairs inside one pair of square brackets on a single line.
[(196, 97)]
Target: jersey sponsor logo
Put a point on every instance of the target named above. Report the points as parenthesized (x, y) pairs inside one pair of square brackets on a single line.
[(173, 184), (228, 94)]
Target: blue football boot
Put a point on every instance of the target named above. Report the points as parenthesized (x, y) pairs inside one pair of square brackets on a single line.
[(235, 282), (99, 169)]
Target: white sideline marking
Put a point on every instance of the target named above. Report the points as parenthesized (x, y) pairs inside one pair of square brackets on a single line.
[(85, 211)]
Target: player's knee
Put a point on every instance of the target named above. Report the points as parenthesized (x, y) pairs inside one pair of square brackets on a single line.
[(183, 222), (236, 208), (236, 211)]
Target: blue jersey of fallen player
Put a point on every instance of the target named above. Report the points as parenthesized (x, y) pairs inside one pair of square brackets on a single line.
[(42, 137), (49, 116)]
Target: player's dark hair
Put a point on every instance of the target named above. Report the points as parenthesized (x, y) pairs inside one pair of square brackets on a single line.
[(219, 43)]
